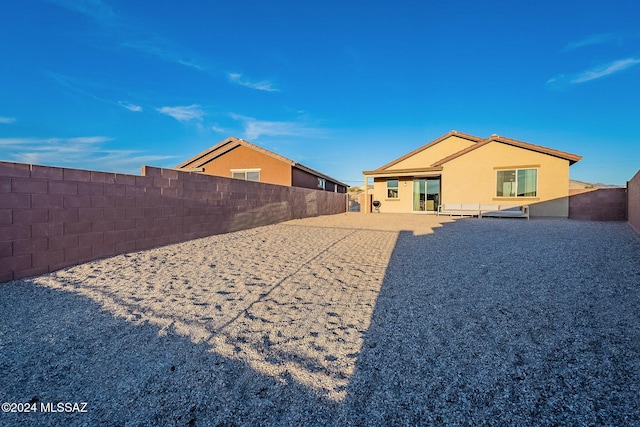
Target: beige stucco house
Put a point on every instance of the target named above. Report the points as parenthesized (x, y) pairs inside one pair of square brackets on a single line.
[(240, 159), (461, 168)]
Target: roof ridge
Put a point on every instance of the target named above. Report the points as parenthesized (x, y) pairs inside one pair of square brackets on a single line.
[(572, 158), (538, 147), (265, 151), (235, 142), (207, 151), (430, 144)]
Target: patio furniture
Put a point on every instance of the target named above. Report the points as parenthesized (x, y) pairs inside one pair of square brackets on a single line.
[(503, 211), (484, 210), (459, 209)]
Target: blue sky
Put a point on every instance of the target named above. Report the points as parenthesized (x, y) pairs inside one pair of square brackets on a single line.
[(340, 86)]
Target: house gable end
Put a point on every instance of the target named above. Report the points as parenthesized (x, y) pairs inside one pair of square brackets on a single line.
[(209, 153), (571, 158), (235, 153), (223, 147), (426, 155), (241, 157)]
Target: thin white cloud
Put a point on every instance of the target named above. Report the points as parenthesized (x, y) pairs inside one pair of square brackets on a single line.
[(605, 70), (183, 113), (76, 85), (96, 9), (594, 73), (219, 129), (590, 41), (7, 120), (162, 49), (253, 128), (131, 107), (263, 85), (104, 14), (123, 28), (90, 140), (555, 80), (89, 89), (62, 145), (87, 152), (187, 62), (51, 150)]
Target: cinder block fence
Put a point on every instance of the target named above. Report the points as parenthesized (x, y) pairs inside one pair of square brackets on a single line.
[(52, 218), (604, 204), (633, 195)]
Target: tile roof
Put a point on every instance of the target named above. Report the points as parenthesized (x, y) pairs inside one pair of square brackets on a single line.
[(478, 142), (230, 143), (572, 158)]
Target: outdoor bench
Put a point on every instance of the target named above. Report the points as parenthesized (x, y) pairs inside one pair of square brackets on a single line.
[(483, 210), (503, 211), (461, 209)]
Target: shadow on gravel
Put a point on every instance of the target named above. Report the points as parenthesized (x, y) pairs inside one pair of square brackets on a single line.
[(131, 375), (504, 323)]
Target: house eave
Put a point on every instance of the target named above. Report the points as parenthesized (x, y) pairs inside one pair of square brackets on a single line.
[(417, 172), (319, 174)]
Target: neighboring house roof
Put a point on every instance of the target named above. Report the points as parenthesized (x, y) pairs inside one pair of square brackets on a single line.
[(198, 161), (478, 142)]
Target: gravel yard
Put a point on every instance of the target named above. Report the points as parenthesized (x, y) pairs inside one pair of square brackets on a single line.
[(350, 319)]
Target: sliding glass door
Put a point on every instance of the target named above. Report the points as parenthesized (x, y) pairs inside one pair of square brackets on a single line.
[(426, 194)]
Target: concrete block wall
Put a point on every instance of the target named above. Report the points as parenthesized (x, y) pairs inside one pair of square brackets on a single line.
[(52, 218), (633, 200), (604, 204)]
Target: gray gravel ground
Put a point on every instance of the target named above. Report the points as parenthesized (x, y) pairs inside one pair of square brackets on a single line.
[(473, 322)]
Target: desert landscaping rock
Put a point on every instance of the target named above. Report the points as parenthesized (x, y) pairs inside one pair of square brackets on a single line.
[(349, 319)]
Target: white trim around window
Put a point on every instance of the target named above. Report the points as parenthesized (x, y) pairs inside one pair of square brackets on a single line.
[(393, 185), (246, 174), (517, 182)]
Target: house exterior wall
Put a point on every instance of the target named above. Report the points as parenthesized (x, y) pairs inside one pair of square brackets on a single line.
[(300, 178), (334, 187), (304, 179), (272, 171), (404, 202), (432, 154), (471, 178)]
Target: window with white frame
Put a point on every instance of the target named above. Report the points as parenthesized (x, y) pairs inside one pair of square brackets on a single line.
[(322, 183), (246, 174), (517, 183), (392, 188)]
